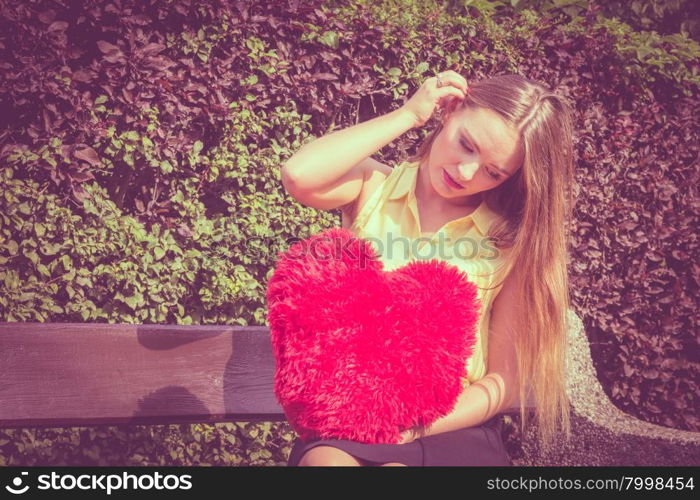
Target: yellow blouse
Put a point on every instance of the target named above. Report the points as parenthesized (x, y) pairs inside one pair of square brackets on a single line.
[(389, 220)]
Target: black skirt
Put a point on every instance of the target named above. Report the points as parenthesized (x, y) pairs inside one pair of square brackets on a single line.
[(472, 446)]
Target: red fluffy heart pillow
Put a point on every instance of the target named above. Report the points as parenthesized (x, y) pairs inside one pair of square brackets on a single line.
[(362, 353)]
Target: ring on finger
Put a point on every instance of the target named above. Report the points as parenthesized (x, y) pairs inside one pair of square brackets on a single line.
[(439, 81)]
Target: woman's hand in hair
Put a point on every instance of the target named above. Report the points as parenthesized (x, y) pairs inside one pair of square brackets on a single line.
[(429, 96)]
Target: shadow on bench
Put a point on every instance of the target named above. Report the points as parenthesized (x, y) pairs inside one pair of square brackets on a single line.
[(85, 374)]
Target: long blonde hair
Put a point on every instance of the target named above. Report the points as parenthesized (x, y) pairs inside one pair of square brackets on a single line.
[(535, 205)]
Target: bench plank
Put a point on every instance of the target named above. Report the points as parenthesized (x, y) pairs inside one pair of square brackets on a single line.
[(75, 374), (72, 374)]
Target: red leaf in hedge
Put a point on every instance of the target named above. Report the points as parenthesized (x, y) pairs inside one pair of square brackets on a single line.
[(184, 230), (139, 19), (324, 76), (114, 58), (80, 193), (112, 53), (82, 175), (82, 75), (151, 49), (58, 26), (48, 16), (87, 154), (127, 96), (107, 48), (160, 63)]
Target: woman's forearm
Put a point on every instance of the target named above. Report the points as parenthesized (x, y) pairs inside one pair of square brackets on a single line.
[(322, 162), (476, 404)]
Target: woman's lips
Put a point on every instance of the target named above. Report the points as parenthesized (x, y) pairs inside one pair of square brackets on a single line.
[(449, 181)]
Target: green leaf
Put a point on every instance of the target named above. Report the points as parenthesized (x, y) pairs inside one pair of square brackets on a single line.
[(50, 249), (135, 300), (84, 281), (330, 38), (11, 281), (32, 255), (129, 159), (166, 167), (642, 52), (70, 276), (12, 247), (101, 99), (159, 252)]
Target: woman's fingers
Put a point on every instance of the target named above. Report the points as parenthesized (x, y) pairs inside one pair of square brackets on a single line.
[(422, 105), (406, 436), (451, 94), (453, 89), (453, 78)]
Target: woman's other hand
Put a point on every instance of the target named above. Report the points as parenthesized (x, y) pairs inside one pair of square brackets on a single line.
[(429, 96), (411, 434)]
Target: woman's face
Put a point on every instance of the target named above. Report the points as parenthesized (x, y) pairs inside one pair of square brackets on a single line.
[(473, 143)]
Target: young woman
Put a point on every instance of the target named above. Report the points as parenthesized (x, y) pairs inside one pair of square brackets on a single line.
[(489, 190)]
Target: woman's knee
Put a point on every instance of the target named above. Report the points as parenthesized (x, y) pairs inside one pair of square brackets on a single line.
[(328, 456)]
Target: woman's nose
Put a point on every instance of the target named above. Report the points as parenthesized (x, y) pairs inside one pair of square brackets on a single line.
[(467, 170)]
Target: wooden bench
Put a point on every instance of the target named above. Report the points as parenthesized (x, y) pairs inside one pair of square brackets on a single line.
[(83, 374)]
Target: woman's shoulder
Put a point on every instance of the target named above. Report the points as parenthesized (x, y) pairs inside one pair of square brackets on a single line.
[(375, 174)]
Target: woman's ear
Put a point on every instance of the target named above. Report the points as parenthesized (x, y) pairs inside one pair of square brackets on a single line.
[(450, 109)]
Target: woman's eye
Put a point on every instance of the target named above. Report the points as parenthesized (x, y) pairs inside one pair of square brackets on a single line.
[(466, 146)]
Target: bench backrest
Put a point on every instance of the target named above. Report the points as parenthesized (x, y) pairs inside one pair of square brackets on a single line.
[(73, 374)]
